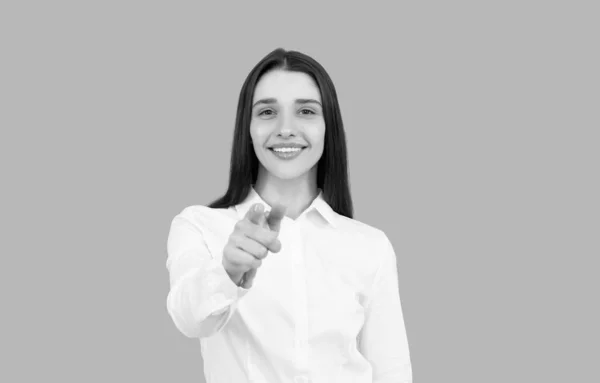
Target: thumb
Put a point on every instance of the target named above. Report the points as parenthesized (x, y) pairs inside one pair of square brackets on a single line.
[(276, 216), (249, 278)]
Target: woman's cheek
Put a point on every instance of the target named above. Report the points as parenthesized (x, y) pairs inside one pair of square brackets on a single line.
[(259, 132), (315, 131)]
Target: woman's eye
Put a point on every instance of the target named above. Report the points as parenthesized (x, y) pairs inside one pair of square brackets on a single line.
[(266, 112), (306, 111)]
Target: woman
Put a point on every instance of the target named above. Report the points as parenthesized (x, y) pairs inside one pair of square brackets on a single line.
[(276, 278)]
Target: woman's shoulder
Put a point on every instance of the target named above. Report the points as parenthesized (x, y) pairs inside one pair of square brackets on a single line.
[(364, 248), (361, 230), (204, 216)]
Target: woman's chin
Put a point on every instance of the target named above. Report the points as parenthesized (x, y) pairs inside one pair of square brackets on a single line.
[(287, 174)]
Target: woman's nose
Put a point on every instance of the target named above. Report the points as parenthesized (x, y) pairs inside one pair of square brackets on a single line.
[(286, 125)]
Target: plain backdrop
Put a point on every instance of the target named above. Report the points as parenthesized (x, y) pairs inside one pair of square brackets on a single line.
[(473, 143)]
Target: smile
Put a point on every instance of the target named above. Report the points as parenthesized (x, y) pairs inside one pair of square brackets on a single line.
[(286, 153)]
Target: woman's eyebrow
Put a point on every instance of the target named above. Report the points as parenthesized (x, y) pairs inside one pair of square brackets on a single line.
[(265, 101), (274, 101), (307, 101)]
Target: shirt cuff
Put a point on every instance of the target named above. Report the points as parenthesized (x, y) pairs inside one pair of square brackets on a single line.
[(216, 289), (221, 292)]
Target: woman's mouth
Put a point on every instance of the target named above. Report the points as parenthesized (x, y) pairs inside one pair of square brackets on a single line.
[(286, 153)]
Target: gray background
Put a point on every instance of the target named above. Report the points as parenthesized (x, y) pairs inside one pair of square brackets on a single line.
[(472, 133)]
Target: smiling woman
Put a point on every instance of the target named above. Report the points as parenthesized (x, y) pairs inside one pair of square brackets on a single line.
[(287, 127), (289, 91), (325, 305)]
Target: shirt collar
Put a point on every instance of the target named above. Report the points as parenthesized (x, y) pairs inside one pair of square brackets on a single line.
[(318, 204)]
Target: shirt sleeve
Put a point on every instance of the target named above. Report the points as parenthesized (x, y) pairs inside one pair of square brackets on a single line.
[(383, 339), (202, 296)]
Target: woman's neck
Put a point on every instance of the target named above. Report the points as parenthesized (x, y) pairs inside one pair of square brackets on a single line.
[(296, 195)]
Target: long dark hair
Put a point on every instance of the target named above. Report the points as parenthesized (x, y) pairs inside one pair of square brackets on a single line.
[(332, 169)]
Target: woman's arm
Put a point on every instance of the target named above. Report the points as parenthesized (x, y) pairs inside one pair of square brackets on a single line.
[(202, 296), (383, 339)]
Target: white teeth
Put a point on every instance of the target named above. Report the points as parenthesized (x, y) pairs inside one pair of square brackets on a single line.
[(286, 150)]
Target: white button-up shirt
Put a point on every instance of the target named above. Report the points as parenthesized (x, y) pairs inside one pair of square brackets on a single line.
[(325, 309)]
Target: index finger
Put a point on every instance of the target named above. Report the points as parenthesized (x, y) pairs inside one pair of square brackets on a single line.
[(256, 214), (276, 216)]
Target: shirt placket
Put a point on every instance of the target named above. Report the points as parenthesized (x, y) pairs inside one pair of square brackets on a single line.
[(299, 302)]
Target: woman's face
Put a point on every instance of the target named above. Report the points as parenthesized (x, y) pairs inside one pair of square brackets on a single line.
[(287, 126)]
